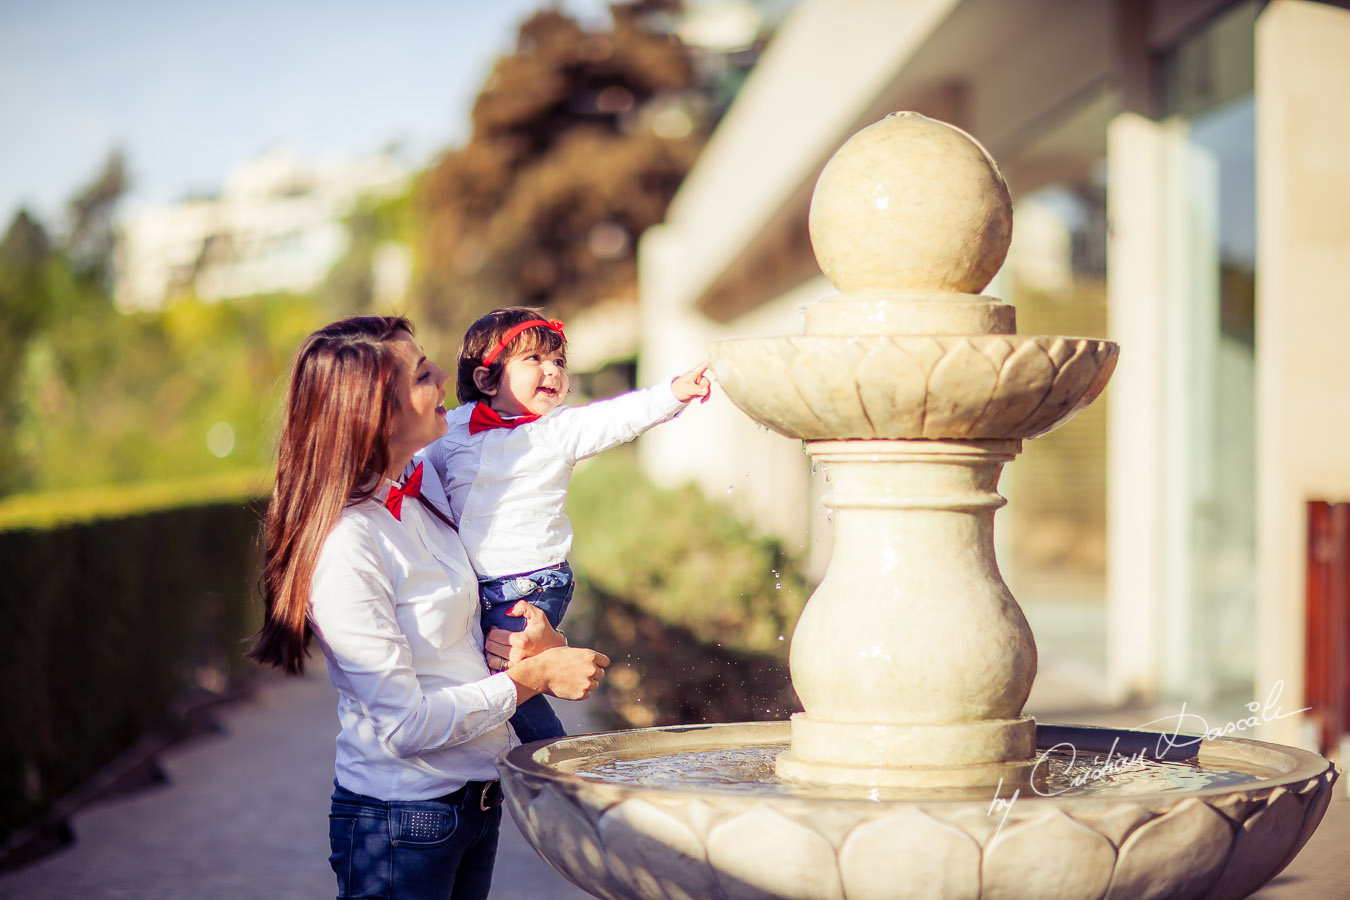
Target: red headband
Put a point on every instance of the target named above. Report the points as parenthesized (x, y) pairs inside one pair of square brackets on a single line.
[(555, 324)]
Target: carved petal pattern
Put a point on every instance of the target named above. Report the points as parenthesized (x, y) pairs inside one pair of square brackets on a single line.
[(815, 374), (761, 853), (775, 402), (909, 856), (1104, 354), (1059, 350), (892, 385), (1050, 858), (1072, 378), (1150, 868), (996, 349), (646, 845), (959, 389), (816, 387), (1317, 807), (1023, 382), (517, 805), (1115, 823), (568, 841), (1261, 846)]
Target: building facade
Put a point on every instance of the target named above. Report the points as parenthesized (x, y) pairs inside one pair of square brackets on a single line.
[(277, 225), (1180, 187)]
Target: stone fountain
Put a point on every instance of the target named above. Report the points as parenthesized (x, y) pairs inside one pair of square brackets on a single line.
[(912, 771)]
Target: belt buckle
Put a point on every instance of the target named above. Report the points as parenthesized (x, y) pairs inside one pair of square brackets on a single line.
[(483, 798)]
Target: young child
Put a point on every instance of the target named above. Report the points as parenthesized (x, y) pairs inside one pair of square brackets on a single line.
[(507, 459)]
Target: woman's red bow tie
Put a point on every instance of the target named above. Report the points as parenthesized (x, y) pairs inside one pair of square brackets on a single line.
[(412, 487)]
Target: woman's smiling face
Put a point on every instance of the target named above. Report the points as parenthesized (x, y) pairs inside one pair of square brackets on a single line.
[(419, 410)]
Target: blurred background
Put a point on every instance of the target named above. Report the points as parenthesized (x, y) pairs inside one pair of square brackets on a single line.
[(188, 192)]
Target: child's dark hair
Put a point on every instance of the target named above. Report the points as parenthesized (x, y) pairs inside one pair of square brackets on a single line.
[(486, 334)]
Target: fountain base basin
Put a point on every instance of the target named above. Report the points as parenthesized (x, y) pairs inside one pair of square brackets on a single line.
[(655, 833)]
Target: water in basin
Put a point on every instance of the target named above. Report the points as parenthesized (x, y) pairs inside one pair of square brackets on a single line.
[(750, 769)]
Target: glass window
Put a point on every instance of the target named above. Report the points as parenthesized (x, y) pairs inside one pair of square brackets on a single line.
[(1210, 112)]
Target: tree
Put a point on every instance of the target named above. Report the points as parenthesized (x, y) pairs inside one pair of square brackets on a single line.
[(91, 239), (25, 254), (579, 141)]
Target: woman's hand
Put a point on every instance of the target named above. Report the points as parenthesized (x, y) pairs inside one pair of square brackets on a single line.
[(568, 673), (539, 661), (504, 649)]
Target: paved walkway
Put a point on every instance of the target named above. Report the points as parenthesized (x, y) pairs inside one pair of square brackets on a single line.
[(244, 815)]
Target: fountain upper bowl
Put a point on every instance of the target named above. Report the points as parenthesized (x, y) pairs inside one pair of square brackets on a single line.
[(973, 387)]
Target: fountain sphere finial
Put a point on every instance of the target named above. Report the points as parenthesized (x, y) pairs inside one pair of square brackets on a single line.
[(911, 204)]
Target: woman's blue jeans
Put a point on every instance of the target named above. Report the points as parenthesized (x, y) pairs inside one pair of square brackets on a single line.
[(414, 849), (551, 590)]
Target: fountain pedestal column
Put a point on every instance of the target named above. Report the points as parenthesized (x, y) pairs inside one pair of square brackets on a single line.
[(912, 660)]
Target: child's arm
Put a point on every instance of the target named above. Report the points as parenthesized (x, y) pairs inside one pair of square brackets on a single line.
[(587, 430)]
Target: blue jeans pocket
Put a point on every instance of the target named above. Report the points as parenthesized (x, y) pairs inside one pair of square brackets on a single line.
[(423, 827), (360, 857)]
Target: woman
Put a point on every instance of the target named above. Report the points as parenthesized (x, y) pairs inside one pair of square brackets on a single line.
[(356, 558)]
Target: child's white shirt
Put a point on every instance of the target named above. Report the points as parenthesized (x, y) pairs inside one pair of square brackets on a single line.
[(507, 487)]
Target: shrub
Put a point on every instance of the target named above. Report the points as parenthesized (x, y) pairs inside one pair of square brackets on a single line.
[(696, 611), (110, 625)]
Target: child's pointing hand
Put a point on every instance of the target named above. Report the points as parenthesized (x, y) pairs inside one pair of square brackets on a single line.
[(691, 384)]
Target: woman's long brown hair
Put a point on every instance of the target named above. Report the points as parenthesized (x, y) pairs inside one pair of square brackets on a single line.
[(333, 450)]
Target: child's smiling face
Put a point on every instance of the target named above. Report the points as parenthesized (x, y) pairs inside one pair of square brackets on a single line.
[(533, 382)]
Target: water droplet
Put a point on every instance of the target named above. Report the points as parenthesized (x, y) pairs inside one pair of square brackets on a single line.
[(778, 586), (780, 637), (730, 488)]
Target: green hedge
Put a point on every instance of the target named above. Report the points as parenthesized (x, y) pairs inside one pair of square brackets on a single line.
[(25, 512), (107, 623)]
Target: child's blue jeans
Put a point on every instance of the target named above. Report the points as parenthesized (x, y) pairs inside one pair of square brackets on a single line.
[(551, 590)]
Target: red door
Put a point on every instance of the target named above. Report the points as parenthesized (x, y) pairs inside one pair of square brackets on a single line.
[(1328, 624)]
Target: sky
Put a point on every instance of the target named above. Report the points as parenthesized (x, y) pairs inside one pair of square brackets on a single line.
[(189, 90)]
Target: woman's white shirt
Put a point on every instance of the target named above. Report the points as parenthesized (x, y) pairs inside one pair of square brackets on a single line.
[(394, 606)]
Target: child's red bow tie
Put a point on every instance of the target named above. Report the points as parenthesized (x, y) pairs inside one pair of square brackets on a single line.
[(485, 417)]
